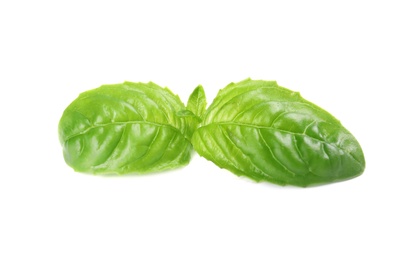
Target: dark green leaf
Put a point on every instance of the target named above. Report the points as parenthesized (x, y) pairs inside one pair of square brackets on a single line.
[(266, 132)]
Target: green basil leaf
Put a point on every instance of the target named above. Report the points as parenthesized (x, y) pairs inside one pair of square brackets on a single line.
[(197, 101), (195, 109), (125, 128), (266, 132)]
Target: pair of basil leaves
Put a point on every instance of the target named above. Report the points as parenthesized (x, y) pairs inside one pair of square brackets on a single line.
[(253, 128)]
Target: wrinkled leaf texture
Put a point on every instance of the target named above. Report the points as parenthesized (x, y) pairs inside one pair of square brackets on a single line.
[(125, 128), (268, 133)]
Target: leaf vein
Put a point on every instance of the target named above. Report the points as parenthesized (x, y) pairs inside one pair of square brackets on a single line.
[(273, 155), (247, 156)]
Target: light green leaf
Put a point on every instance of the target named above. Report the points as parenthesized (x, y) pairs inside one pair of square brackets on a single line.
[(197, 101), (195, 109), (125, 128)]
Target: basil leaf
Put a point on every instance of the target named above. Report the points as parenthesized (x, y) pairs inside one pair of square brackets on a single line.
[(266, 132), (197, 101), (195, 109), (124, 128)]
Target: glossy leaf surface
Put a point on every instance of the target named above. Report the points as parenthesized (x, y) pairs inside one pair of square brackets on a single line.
[(125, 128), (266, 132)]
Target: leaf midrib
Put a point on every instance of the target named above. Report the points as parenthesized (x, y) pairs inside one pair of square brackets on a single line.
[(123, 123), (285, 131)]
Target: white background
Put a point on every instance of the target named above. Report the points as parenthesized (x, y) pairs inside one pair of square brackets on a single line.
[(353, 58)]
